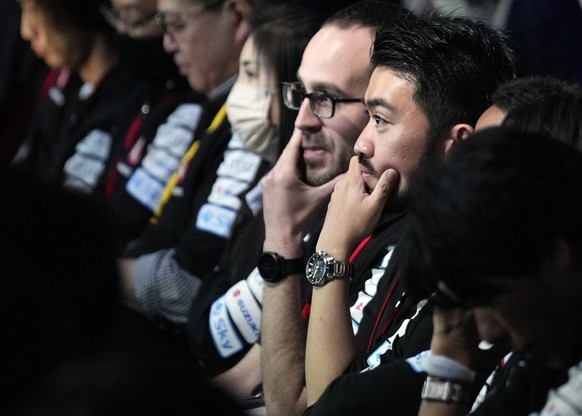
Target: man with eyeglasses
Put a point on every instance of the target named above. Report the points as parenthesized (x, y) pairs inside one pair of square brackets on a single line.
[(350, 358), (170, 172), (321, 103), (335, 70), (205, 200), (190, 81)]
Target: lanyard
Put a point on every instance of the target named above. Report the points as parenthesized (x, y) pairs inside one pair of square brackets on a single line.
[(173, 181)]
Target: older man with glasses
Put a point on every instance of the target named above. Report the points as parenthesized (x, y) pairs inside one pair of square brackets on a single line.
[(205, 38), (186, 134), (189, 81)]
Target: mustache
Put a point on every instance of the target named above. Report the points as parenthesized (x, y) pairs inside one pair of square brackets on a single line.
[(314, 140), (365, 162)]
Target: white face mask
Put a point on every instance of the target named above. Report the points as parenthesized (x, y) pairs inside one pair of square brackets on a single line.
[(247, 109)]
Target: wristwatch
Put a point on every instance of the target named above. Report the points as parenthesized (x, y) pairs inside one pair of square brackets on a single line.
[(321, 268), (443, 390), (273, 268)]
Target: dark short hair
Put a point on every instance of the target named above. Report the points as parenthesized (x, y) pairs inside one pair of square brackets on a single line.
[(367, 13), (528, 90), (494, 207), (558, 115), (455, 64), (82, 23)]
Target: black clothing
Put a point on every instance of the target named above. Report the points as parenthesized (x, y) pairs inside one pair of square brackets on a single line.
[(72, 139), (21, 77), (392, 388), (395, 326), (518, 388), (153, 130), (237, 264)]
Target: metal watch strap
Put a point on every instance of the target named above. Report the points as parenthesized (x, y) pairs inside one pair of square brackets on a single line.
[(342, 270), (321, 268), (443, 390)]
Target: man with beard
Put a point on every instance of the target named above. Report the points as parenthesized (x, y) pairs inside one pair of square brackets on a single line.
[(422, 98)]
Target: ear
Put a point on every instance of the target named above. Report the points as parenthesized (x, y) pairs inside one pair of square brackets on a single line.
[(458, 133), (243, 13)]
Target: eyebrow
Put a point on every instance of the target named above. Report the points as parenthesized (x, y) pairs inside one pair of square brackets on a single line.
[(326, 87), (379, 102), (248, 62)]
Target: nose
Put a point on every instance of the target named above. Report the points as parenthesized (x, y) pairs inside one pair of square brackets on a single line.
[(26, 31), (307, 120), (170, 44), (364, 145)]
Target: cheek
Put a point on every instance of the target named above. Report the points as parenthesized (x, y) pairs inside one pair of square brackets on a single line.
[(524, 320), (490, 328), (401, 154), (275, 112), (56, 52)]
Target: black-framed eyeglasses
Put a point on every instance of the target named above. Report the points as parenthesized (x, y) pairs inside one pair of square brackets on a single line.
[(321, 103)]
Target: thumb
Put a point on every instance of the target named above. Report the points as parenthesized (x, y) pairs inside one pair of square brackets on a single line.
[(387, 184)]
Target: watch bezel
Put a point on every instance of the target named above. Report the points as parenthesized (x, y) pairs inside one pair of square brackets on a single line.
[(321, 268), (269, 256), (281, 267), (316, 274)]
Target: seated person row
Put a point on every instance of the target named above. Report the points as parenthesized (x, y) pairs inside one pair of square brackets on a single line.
[(302, 204), (517, 251), (520, 384), (87, 96)]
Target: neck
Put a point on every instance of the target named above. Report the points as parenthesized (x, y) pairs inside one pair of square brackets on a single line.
[(100, 61)]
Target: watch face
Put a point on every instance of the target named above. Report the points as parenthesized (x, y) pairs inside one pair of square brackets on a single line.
[(268, 266), (316, 269)]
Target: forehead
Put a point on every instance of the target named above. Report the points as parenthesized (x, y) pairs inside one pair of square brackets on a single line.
[(248, 51), (175, 5), (392, 92), (30, 6), (491, 117), (339, 57), (251, 63)]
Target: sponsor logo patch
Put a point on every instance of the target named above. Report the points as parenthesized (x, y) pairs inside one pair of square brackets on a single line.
[(244, 311), (215, 219), (223, 333)]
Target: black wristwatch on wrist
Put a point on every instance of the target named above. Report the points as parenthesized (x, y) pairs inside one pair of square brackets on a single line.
[(273, 268)]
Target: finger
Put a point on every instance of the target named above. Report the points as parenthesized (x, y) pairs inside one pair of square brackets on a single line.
[(288, 160), (354, 172), (354, 167), (330, 185), (387, 184), (293, 147)]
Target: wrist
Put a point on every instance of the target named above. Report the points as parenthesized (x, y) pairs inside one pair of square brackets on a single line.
[(288, 248), (445, 367), (445, 391)]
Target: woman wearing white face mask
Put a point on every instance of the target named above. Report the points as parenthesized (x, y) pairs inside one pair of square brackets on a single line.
[(252, 107), (271, 55), (262, 125)]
